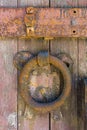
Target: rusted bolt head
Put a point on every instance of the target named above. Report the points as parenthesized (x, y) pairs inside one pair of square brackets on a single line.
[(30, 30)]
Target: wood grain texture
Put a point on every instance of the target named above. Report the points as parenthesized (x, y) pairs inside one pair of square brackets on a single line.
[(82, 69), (35, 3), (81, 95), (64, 118), (63, 3), (69, 109), (37, 122), (82, 57), (79, 48), (68, 121), (8, 84), (9, 3), (8, 79)]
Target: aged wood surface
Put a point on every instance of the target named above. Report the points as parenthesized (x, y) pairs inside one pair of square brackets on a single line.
[(64, 118), (8, 83), (69, 109), (82, 71), (68, 120), (28, 120), (8, 80), (73, 47), (81, 95)]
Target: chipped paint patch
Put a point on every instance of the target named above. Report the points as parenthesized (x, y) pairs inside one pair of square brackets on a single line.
[(29, 114), (12, 120)]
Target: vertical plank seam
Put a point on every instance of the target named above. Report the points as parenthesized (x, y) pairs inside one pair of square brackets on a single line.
[(17, 81), (78, 63), (17, 88), (49, 52), (78, 77), (82, 92)]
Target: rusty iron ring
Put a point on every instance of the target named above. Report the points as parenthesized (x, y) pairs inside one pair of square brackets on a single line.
[(24, 90)]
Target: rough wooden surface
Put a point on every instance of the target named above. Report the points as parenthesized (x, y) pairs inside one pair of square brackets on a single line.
[(82, 71), (8, 80), (68, 120), (73, 47), (37, 122), (64, 118), (81, 90), (69, 110), (8, 83)]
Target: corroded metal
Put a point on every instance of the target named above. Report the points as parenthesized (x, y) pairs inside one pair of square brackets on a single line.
[(24, 84), (43, 22), (21, 58), (43, 58), (12, 22), (66, 59), (56, 22)]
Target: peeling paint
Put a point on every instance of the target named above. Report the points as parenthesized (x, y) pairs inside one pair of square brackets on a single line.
[(12, 119), (29, 114), (57, 115)]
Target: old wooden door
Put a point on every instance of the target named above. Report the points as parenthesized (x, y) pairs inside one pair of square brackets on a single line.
[(13, 114)]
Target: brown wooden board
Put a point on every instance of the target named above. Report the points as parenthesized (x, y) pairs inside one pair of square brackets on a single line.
[(66, 117), (82, 73), (8, 80), (81, 95), (79, 54), (37, 122), (69, 109)]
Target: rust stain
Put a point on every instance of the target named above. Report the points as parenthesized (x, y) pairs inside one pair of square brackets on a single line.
[(12, 22), (43, 22), (57, 22), (24, 85)]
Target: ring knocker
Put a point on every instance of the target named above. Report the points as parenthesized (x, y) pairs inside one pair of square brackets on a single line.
[(27, 63)]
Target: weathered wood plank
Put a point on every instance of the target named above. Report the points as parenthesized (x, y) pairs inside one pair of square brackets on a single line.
[(81, 89), (81, 58), (85, 103), (82, 68), (9, 3), (8, 80), (63, 3), (69, 109), (8, 83), (35, 3), (38, 122), (68, 120)]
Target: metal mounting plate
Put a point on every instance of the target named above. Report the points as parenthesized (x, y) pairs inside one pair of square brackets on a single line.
[(43, 22)]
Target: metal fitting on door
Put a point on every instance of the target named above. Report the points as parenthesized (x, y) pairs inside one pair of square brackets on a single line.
[(42, 88)]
